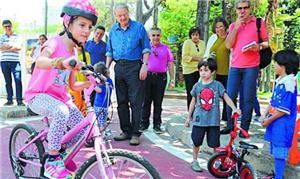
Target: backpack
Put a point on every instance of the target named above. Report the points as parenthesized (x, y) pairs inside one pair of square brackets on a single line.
[(265, 54)]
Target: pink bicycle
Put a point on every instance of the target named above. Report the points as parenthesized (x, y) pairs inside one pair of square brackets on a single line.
[(27, 152)]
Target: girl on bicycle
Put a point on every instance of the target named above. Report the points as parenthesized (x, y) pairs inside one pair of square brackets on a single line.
[(47, 90), (280, 115), (102, 98)]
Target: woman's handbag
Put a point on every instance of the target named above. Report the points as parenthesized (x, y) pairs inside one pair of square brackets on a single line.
[(265, 54)]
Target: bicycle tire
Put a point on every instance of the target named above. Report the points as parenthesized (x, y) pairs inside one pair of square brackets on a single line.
[(34, 152), (114, 154), (248, 172), (218, 168)]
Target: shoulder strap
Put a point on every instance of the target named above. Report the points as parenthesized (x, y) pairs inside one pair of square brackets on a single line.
[(258, 25)]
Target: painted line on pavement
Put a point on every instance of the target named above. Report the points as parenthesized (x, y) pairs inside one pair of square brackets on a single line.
[(165, 145)]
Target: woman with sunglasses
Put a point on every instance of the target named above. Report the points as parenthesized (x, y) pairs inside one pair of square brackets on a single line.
[(192, 53)]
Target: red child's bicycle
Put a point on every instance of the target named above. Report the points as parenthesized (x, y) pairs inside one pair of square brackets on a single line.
[(229, 160)]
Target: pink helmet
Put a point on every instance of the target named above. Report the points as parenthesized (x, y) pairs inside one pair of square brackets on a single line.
[(80, 8)]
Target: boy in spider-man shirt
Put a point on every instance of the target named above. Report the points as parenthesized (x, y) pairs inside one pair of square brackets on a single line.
[(280, 116), (204, 109)]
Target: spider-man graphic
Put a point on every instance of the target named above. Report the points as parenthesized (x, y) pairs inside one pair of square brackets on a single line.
[(206, 99)]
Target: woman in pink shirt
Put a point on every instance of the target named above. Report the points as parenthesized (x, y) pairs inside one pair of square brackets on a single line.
[(244, 65), (47, 94)]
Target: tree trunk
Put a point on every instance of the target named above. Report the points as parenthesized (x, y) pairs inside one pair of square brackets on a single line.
[(203, 18), (155, 13)]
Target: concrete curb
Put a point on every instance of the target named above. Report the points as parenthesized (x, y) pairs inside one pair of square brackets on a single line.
[(260, 159), (10, 112)]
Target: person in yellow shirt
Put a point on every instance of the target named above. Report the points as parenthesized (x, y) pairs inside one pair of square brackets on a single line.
[(192, 53), (77, 96)]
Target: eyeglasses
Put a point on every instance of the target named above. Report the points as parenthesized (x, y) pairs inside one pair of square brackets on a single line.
[(7, 26), (197, 48), (157, 35), (154, 52), (245, 8)]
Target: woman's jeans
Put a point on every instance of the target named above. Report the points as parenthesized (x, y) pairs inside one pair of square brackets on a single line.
[(235, 78)]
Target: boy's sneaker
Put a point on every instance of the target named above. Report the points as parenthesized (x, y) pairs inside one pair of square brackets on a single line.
[(56, 169), (196, 167)]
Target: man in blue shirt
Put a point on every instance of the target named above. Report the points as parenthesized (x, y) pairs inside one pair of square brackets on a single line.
[(10, 47), (97, 47), (129, 46)]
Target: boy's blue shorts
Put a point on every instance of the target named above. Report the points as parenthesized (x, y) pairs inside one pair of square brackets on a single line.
[(279, 152)]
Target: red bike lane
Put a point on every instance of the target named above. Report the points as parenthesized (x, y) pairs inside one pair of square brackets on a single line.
[(168, 165)]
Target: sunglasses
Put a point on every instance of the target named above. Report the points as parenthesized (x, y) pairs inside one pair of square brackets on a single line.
[(197, 48), (157, 35), (7, 26), (154, 52), (245, 8)]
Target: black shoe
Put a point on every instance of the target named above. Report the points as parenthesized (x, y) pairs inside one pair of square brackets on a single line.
[(241, 135), (143, 128), (225, 131), (157, 130), (21, 103), (8, 103), (122, 136)]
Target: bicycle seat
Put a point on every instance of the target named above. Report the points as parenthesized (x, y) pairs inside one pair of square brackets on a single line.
[(245, 145)]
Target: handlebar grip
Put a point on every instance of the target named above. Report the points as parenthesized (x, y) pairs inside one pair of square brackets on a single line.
[(73, 63)]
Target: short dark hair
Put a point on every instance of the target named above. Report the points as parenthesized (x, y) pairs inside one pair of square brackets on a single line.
[(194, 30), (4, 22), (210, 63), (219, 19), (289, 59), (100, 27), (101, 68)]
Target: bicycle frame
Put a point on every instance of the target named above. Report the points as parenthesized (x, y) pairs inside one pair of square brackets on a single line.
[(93, 131), (233, 135)]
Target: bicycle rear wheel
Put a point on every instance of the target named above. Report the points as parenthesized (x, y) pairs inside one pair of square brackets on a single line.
[(19, 137), (125, 164), (248, 172)]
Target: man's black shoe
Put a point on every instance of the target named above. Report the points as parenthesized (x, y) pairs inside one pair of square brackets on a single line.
[(225, 131), (143, 128), (157, 130), (8, 103), (21, 103), (241, 135)]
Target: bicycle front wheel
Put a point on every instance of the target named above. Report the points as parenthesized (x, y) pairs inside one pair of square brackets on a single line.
[(20, 136), (221, 166), (125, 164), (248, 172)]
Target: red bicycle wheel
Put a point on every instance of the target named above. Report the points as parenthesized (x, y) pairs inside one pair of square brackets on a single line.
[(221, 166), (248, 172)]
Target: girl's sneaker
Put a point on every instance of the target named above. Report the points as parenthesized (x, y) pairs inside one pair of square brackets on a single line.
[(56, 169)]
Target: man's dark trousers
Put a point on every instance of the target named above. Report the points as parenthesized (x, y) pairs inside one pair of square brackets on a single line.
[(129, 89), (155, 85)]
